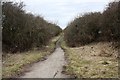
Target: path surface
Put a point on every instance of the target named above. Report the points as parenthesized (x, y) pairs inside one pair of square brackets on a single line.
[(50, 68)]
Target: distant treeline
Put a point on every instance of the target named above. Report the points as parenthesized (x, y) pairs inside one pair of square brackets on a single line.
[(95, 26), (23, 31)]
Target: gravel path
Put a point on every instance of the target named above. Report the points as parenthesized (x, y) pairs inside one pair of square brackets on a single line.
[(50, 68)]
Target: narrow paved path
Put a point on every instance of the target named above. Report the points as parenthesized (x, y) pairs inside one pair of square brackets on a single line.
[(50, 68)]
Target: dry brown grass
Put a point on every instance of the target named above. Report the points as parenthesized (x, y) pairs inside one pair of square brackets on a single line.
[(96, 60)]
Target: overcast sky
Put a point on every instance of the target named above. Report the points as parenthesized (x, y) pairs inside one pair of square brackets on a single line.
[(63, 11)]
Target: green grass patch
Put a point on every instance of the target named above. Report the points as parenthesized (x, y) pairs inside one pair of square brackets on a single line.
[(13, 64)]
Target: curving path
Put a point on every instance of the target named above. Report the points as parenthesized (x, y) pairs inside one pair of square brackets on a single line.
[(50, 68)]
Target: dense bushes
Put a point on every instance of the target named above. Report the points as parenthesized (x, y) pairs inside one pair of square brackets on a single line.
[(83, 29), (22, 31), (94, 27), (110, 22)]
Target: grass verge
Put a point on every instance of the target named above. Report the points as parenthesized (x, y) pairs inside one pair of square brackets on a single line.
[(96, 60), (14, 64)]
